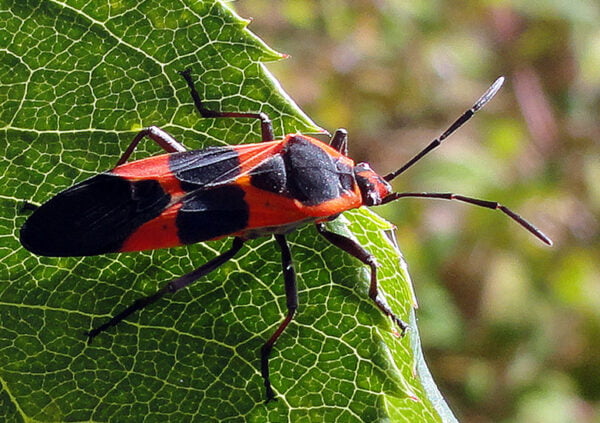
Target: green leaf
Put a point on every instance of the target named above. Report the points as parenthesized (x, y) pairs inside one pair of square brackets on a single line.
[(77, 80)]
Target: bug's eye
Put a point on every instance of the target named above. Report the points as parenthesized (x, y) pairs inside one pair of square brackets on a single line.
[(373, 187)]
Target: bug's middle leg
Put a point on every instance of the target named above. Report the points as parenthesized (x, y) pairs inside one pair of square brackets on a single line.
[(355, 249), (159, 136), (291, 295), (265, 123)]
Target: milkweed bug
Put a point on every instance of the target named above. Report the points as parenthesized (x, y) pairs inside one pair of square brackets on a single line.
[(244, 191)]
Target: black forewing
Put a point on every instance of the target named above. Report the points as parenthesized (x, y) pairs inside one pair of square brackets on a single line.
[(96, 216), (93, 217)]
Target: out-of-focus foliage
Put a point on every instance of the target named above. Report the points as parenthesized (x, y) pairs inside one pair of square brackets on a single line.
[(510, 327)]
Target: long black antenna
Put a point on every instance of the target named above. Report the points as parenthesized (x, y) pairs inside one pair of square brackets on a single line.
[(477, 202), (487, 96)]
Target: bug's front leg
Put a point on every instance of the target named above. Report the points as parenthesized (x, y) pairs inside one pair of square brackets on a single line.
[(291, 295), (355, 249), (339, 141)]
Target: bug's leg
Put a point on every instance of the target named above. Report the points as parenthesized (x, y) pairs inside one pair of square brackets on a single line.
[(493, 205), (172, 287), (355, 249), (162, 138), (339, 141), (28, 206), (265, 123), (291, 296)]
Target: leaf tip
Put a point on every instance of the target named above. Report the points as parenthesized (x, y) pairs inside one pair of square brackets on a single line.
[(246, 21)]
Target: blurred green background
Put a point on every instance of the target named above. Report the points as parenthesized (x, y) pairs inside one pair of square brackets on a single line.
[(511, 328)]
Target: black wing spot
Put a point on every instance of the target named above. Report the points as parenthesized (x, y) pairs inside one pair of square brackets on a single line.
[(93, 217), (208, 214)]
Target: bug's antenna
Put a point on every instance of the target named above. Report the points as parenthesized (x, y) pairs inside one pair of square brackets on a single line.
[(487, 96), (476, 202)]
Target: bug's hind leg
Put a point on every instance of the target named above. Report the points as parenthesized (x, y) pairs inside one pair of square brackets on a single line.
[(355, 249), (170, 288), (27, 206), (265, 123), (291, 295)]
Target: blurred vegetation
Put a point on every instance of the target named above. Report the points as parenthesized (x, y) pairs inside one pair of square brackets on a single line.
[(511, 328)]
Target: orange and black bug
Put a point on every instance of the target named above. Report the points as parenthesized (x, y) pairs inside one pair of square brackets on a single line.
[(244, 191)]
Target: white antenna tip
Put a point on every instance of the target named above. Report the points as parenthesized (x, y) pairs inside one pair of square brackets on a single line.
[(489, 94)]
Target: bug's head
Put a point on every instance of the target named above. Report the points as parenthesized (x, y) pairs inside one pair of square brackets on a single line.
[(373, 187)]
